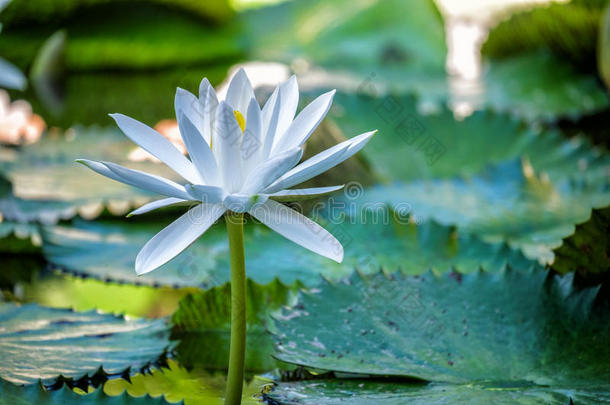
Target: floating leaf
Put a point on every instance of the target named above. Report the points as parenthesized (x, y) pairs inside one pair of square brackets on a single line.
[(11, 394), (48, 185), (367, 392), (107, 250), (519, 329), (175, 383), (505, 202), (202, 324), (46, 343), (587, 251), (412, 146)]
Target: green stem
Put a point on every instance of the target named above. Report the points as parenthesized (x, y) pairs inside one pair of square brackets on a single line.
[(235, 378)]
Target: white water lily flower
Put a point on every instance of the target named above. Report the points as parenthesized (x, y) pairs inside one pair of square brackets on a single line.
[(241, 158)]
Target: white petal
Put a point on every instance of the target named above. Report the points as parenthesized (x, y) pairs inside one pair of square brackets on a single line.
[(240, 92), (268, 108), (299, 194), (101, 169), (155, 144), (146, 181), (153, 205), (176, 237), (10, 76), (226, 141), (305, 123), (270, 123), (299, 229), (199, 151), (185, 103), (321, 162), (252, 143), (207, 194), (270, 170), (289, 93), (208, 105)]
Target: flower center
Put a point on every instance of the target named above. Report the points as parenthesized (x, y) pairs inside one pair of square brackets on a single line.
[(240, 120)]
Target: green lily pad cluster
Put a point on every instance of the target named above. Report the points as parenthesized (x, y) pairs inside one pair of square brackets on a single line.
[(454, 229)]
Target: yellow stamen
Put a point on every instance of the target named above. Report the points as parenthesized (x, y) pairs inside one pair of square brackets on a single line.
[(240, 120)]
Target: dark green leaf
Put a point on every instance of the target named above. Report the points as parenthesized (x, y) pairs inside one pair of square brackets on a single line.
[(46, 343), (526, 330), (587, 251)]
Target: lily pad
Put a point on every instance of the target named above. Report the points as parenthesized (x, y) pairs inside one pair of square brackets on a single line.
[(11, 394), (507, 202), (39, 343), (527, 330), (367, 392), (48, 185), (107, 250), (202, 324), (411, 145)]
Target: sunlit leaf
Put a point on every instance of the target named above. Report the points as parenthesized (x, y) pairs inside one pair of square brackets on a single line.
[(46, 343), (194, 386), (527, 330)]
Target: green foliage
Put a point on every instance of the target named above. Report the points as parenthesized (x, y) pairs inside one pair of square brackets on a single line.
[(380, 239), (483, 331), (40, 343), (587, 251), (202, 324), (11, 394)]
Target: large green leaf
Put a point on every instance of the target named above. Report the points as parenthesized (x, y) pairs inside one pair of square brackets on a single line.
[(404, 148), (526, 330), (11, 394), (48, 185), (397, 43), (46, 343), (202, 324), (107, 250), (367, 392), (195, 386), (505, 202)]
